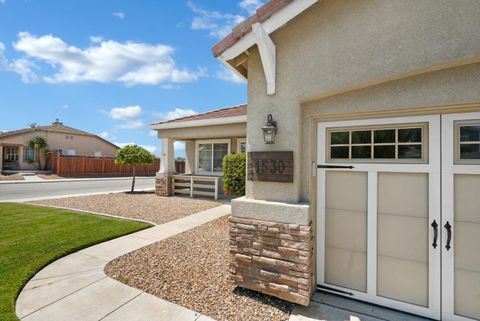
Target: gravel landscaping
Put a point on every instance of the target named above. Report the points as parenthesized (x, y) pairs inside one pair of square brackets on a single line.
[(13, 177), (191, 269), (145, 206)]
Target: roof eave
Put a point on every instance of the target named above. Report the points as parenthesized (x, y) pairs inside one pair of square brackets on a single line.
[(274, 22), (201, 122)]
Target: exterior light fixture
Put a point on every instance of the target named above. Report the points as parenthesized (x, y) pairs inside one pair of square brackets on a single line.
[(269, 130)]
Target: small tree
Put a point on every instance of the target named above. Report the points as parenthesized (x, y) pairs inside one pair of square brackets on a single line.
[(40, 146), (133, 155), (233, 166)]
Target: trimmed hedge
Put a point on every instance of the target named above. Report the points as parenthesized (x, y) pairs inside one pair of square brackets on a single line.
[(234, 173)]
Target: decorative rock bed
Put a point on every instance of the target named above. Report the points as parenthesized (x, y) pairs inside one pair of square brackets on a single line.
[(144, 205), (192, 269)]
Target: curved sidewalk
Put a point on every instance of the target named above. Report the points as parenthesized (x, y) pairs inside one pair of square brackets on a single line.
[(75, 288)]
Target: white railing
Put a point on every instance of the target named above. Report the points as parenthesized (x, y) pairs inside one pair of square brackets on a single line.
[(196, 185)]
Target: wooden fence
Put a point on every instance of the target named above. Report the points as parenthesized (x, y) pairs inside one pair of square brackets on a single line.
[(85, 166)]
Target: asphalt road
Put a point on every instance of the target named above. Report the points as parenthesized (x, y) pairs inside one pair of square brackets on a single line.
[(37, 190)]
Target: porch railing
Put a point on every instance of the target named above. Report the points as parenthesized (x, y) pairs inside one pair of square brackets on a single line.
[(196, 185)]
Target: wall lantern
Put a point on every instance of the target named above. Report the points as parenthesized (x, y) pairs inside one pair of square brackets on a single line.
[(269, 130)]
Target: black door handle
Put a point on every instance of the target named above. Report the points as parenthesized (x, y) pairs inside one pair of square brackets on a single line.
[(335, 166), (449, 235), (435, 233)]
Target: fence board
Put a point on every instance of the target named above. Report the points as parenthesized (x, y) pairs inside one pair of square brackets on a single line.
[(80, 166)]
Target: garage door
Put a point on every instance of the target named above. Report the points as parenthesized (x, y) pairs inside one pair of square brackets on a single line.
[(397, 208)]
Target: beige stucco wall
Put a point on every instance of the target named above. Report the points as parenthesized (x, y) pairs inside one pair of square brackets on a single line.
[(338, 48), (84, 145)]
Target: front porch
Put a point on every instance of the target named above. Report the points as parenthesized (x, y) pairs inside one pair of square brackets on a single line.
[(206, 138)]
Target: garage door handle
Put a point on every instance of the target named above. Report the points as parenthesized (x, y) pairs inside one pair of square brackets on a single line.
[(435, 233), (449, 235), (334, 166)]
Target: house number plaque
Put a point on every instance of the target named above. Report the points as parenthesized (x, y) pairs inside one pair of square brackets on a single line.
[(270, 166)]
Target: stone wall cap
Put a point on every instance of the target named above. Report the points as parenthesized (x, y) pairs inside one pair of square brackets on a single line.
[(305, 205)]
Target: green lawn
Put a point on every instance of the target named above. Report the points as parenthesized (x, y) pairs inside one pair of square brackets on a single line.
[(32, 236)]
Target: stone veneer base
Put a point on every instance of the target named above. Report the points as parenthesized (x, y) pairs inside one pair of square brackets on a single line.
[(163, 185), (272, 258)]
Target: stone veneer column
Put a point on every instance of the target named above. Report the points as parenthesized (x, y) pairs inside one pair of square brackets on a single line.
[(163, 185), (271, 257)]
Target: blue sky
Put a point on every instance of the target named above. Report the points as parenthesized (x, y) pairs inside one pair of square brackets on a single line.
[(112, 67)]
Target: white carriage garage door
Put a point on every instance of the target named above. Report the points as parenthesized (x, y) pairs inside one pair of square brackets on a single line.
[(398, 213)]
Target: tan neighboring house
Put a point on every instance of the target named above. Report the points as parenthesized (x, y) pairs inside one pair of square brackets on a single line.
[(208, 137), (17, 155), (378, 105)]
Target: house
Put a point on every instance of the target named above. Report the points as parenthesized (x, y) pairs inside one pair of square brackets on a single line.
[(208, 137), (369, 189), (17, 155)]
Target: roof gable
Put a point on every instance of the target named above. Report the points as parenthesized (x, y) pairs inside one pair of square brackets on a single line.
[(55, 127), (272, 15)]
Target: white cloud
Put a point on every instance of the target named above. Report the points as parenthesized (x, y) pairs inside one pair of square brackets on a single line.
[(21, 66), (107, 135), (228, 75), (177, 113), (65, 106), (152, 133), (24, 68), (130, 116), (131, 63), (250, 5), (217, 23), (96, 39), (125, 113), (119, 14)]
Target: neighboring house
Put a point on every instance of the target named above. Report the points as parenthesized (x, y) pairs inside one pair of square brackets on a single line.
[(208, 138), (379, 102), (17, 155)]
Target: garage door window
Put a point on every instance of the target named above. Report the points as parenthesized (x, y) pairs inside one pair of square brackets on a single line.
[(467, 141), (400, 143)]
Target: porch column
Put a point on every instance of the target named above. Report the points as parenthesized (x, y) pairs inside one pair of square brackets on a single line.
[(163, 181), (189, 157)]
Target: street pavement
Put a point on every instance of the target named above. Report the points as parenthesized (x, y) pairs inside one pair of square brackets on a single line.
[(28, 191)]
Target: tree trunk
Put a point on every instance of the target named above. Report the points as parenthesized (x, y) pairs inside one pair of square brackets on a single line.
[(37, 151), (133, 180)]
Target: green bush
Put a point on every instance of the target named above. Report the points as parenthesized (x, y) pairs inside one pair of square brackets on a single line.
[(234, 174)]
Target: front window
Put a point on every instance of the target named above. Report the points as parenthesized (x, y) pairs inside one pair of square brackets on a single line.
[(29, 154), (10, 154), (398, 143), (210, 156)]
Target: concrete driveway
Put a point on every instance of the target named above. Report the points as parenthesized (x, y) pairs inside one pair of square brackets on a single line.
[(29, 191)]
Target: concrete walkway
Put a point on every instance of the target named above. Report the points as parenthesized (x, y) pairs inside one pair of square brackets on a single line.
[(75, 288)]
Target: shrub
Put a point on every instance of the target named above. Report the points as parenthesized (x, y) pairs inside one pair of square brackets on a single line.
[(234, 174)]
